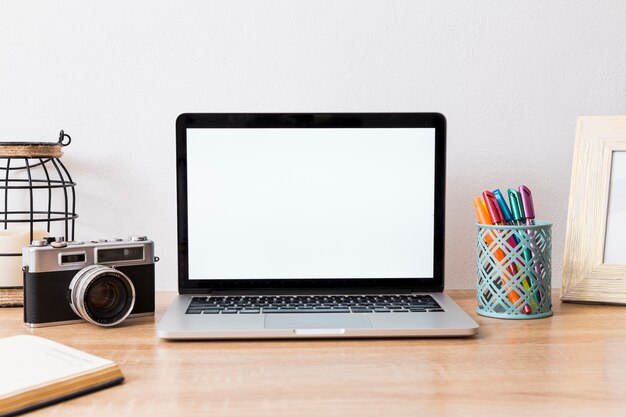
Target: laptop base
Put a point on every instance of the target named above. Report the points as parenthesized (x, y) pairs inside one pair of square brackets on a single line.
[(176, 325)]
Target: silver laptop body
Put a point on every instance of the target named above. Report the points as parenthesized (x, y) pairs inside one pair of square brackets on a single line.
[(311, 226)]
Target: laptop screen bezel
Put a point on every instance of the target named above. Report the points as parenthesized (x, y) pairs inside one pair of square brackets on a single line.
[(310, 121)]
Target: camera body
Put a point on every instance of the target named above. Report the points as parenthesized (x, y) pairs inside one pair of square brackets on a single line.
[(102, 281)]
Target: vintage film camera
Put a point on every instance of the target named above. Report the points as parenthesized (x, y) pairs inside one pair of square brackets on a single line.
[(101, 281)]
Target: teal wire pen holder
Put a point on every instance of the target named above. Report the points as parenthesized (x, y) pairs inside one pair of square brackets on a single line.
[(513, 271)]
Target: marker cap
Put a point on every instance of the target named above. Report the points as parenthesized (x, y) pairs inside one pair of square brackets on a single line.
[(527, 202), (481, 211), (515, 200), (504, 208), (492, 207)]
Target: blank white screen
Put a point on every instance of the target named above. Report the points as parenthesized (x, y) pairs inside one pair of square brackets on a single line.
[(310, 203)]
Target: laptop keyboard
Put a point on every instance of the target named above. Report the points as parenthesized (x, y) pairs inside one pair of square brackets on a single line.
[(313, 304)]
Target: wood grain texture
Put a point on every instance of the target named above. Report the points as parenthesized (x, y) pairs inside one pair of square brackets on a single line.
[(31, 150), (572, 364), (586, 278)]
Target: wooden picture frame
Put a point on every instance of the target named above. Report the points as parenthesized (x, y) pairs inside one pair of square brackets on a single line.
[(586, 277)]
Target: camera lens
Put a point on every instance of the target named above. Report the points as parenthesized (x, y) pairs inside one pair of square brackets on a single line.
[(102, 295)]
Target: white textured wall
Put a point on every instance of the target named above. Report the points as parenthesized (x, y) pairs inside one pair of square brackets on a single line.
[(511, 77)]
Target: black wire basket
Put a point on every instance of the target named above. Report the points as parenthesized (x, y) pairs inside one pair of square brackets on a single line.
[(37, 191)]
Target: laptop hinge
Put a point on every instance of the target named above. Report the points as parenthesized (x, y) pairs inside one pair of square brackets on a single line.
[(316, 291)]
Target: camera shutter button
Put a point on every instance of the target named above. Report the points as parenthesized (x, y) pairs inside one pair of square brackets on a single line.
[(59, 244), (138, 238)]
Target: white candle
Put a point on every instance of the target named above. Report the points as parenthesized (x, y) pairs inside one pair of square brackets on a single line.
[(12, 241)]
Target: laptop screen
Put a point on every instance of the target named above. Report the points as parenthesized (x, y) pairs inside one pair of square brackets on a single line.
[(298, 203)]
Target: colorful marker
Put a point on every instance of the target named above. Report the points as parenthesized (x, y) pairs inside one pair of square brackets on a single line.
[(483, 218), (529, 216), (492, 208), (517, 209), (527, 202), (504, 208), (509, 219)]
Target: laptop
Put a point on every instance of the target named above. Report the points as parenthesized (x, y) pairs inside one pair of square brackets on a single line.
[(311, 225)]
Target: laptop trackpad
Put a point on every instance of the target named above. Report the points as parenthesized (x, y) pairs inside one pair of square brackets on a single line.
[(317, 321)]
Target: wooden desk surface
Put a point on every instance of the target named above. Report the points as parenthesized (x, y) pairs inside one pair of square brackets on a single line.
[(571, 364)]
